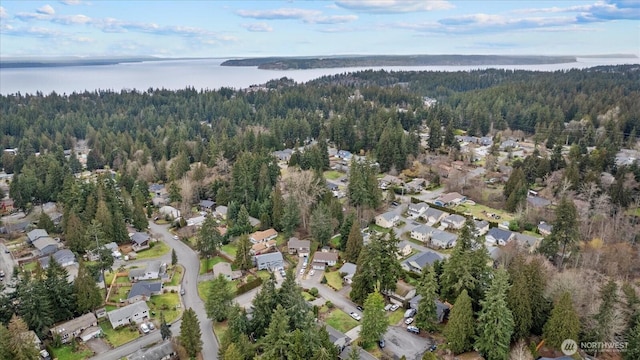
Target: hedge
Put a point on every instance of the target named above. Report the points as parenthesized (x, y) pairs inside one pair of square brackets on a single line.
[(249, 286)]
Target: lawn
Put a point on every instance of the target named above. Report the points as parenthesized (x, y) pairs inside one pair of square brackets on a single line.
[(165, 303), (307, 296), (120, 293), (378, 228), (159, 248), (109, 276), (230, 249), (334, 279), (340, 321), (120, 336), (219, 328), (333, 175), (335, 241), (263, 274), (214, 260), (65, 353), (30, 267), (177, 276), (203, 288), (394, 317), (122, 280), (477, 211)]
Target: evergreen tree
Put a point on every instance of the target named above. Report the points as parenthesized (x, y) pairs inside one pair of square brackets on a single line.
[(460, 329), (241, 225), (208, 239), (374, 323), (540, 306), (290, 216), (276, 340), (219, 299), (17, 346), (277, 208), (139, 220), (320, 224), (564, 234), (243, 253), (174, 257), (87, 293), (5, 342), (60, 291), (435, 135), (606, 312), (563, 323), (75, 236), (35, 305), (345, 228), (354, 353), (232, 353), (263, 305), (354, 243), (45, 222), (190, 335), (633, 343), (363, 190), (519, 299), (165, 330), (427, 316), (495, 322), (174, 192)]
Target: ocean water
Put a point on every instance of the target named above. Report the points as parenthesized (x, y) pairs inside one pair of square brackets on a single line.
[(206, 74)]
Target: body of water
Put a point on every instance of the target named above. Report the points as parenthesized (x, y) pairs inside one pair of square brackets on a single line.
[(206, 74)]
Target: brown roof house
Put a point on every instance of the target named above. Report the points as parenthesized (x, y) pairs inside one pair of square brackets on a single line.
[(263, 236), (84, 327)]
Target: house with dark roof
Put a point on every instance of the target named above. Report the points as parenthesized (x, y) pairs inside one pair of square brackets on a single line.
[(63, 257), (136, 313), (362, 354), (74, 328), (300, 247), (153, 270), (338, 339), (418, 261), (140, 241), (45, 245), (283, 155), (422, 233), (270, 261), (157, 189), (527, 242), (538, 202), (36, 234), (544, 228), (143, 290), (162, 351), (207, 205), (497, 236)]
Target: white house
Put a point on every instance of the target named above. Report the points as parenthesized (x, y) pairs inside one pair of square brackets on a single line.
[(263, 236), (497, 236), (136, 312), (454, 221), (76, 327), (270, 261), (417, 210), (300, 247), (169, 211), (153, 270), (443, 239), (482, 227), (434, 216), (387, 220), (323, 259), (422, 233)]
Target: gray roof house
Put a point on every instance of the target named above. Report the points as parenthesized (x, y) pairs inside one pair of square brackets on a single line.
[(497, 236), (527, 242), (271, 261), (73, 328), (221, 211), (545, 228), (63, 257), (162, 351), (338, 339), (422, 232), (140, 238), (454, 221), (442, 309), (443, 239), (153, 270), (207, 205), (363, 355), (387, 220), (434, 216), (482, 227), (417, 210), (322, 259), (538, 202), (420, 260), (224, 268), (45, 245), (135, 312), (349, 269), (143, 290), (36, 234), (300, 247)]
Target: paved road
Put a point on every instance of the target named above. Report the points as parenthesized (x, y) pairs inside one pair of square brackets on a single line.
[(6, 264), (399, 342), (189, 259)]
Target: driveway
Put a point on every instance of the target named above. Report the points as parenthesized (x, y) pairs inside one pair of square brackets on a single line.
[(98, 345), (400, 342)]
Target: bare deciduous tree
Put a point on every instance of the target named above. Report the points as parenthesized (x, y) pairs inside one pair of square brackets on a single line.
[(305, 188)]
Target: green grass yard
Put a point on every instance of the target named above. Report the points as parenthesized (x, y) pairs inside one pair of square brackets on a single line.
[(334, 279), (340, 320), (120, 336), (118, 294), (159, 248), (214, 260), (379, 228), (333, 175), (165, 303), (230, 249), (480, 211), (219, 328), (203, 288), (394, 317), (177, 276), (30, 267), (65, 353), (307, 296)]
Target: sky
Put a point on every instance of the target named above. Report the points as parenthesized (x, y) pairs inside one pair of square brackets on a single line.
[(317, 28)]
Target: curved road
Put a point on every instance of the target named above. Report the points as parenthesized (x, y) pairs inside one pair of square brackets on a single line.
[(189, 259)]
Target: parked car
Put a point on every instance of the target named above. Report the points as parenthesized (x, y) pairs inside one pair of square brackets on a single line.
[(387, 307), (144, 329), (44, 355), (360, 308), (433, 348), (182, 292), (355, 316), (408, 321), (395, 307), (302, 270), (413, 329), (381, 344), (312, 272), (151, 326), (409, 313)]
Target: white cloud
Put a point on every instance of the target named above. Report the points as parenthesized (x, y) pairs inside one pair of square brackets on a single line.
[(72, 19), (394, 6), (333, 19), (71, 2), (257, 27), (46, 10), (304, 15), (3, 13)]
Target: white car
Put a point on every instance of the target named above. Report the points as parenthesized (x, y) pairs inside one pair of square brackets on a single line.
[(144, 328), (312, 272), (387, 307), (394, 307), (355, 316), (301, 271), (408, 321)]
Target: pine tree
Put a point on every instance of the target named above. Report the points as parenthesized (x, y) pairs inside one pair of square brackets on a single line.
[(374, 323), (165, 330), (435, 135), (219, 299), (633, 343), (5, 343), (290, 216), (232, 353), (563, 322), (45, 222), (87, 294), (190, 335), (139, 220), (241, 225), (18, 347), (60, 291), (427, 316), (354, 353), (354, 243), (174, 257), (564, 234), (75, 233), (540, 306), (209, 239), (460, 329), (345, 229), (263, 305), (519, 300), (320, 224), (243, 253), (495, 322), (276, 340), (606, 312), (277, 208)]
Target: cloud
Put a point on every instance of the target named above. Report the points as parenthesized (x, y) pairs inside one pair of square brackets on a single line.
[(71, 2), (304, 15), (257, 27), (32, 31), (3, 13), (394, 6), (46, 10), (72, 19)]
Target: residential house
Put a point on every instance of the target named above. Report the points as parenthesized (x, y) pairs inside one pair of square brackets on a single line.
[(527, 242), (207, 205), (450, 199), (45, 245), (63, 257), (20, 226), (143, 290), (224, 268), (349, 269), (139, 240), (338, 339), (434, 216), (270, 261), (157, 189), (196, 221), (497, 236), (508, 144), (332, 187), (322, 259), (283, 155), (415, 185), (482, 227), (442, 308), (132, 313), (254, 222), (443, 240), (404, 251), (263, 236), (403, 292), (262, 247), (170, 212), (300, 247), (416, 210), (56, 217), (544, 228), (387, 220), (418, 261), (221, 212), (36, 234), (153, 270), (538, 202), (454, 221), (422, 233), (112, 246), (73, 328), (344, 155), (162, 351), (389, 181)]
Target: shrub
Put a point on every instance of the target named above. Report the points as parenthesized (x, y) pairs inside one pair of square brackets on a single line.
[(313, 291), (329, 304), (324, 280)]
